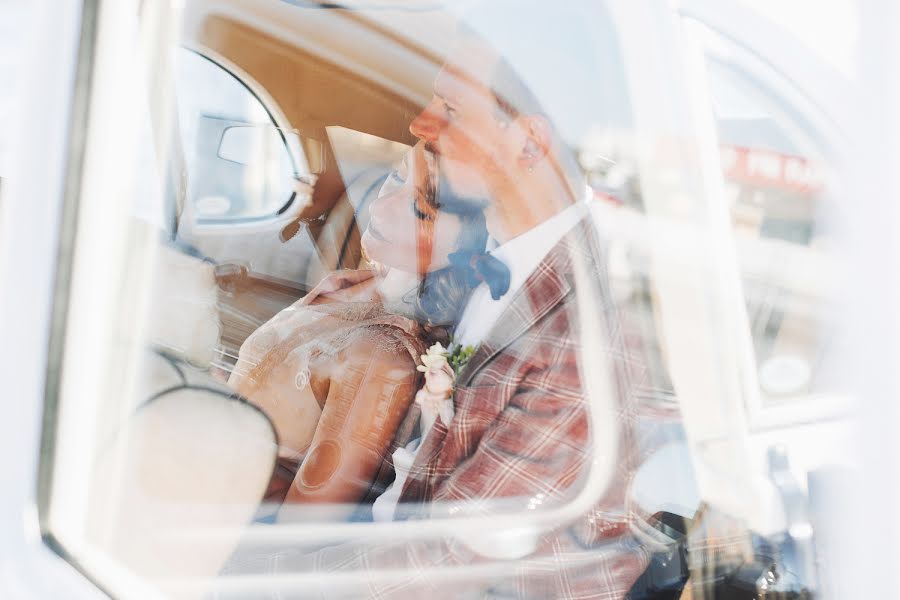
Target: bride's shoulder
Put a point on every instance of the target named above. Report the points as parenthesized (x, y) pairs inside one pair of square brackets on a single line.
[(381, 349), (389, 337), (289, 322)]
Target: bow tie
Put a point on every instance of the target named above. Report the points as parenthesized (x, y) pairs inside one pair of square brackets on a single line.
[(481, 266)]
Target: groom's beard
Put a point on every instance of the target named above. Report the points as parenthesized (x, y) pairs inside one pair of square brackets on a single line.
[(452, 202), (444, 196)]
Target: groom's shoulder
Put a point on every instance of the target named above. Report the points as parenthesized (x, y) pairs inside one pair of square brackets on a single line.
[(580, 246), (580, 258)]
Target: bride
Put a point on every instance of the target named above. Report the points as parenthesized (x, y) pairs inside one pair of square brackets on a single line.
[(336, 371)]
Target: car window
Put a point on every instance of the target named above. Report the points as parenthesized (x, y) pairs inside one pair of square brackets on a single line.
[(775, 158), (349, 364), (240, 165)]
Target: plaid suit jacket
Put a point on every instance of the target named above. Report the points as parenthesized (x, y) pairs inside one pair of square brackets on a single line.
[(521, 440)]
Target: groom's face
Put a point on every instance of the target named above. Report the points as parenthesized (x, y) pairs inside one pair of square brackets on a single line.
[(463, 126)]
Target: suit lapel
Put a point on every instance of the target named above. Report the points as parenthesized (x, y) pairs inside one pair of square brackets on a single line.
[(420, 480), (543, 290), (409, 427)]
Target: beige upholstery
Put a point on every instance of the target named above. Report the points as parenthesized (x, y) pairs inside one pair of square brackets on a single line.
[(346, 221), (178, 483)]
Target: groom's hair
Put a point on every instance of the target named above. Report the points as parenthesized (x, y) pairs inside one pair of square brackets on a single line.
[(514, 98), (512, 95), (557, 59)]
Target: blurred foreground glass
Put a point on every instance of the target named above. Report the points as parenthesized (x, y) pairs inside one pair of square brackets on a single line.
[(160, 469)]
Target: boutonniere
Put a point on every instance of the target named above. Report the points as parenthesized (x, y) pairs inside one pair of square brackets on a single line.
[(441, 369), (435, 397)]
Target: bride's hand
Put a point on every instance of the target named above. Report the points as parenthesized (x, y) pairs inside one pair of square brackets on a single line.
[(334, 286)]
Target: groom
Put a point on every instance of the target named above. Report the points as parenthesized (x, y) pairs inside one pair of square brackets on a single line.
[(522, 423), (544, 402)]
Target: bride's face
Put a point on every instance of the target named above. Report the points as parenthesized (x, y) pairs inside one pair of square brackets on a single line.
[(397, 216)]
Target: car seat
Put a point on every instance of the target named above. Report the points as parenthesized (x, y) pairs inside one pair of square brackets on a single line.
[(178, 482), (182, 470)]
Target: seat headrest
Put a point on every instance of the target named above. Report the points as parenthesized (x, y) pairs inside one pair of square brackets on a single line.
[(182, 478)]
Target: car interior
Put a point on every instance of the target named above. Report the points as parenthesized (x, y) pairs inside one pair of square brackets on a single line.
[(317, 95), (345, 85)]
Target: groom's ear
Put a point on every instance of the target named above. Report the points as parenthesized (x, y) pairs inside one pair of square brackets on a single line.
[(538, 139)]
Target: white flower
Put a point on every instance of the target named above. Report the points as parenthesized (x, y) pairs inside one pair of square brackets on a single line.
[(435, 397), (434, 357)]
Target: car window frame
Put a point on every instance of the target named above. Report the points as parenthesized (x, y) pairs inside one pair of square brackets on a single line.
[(289, 210)]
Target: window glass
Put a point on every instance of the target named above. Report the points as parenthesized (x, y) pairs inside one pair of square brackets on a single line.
[(416, 308), (245, 416), (775, 162)]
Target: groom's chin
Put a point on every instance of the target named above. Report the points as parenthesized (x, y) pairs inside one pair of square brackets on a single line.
[(453, 200)]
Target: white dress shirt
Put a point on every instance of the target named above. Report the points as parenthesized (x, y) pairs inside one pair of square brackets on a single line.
[(521, 255)]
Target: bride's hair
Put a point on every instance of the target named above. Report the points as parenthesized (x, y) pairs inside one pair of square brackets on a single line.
[(442, 294)]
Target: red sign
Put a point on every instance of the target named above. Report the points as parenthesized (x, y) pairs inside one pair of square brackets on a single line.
[(765, 168)]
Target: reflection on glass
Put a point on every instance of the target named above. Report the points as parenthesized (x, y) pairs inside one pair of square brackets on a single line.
[(775, 174), (239, 164), (472, 339)]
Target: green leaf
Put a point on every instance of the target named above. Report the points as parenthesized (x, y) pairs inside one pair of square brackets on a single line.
[(460, 357)]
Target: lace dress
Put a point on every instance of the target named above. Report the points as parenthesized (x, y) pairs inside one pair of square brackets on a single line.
[(336, 379)]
